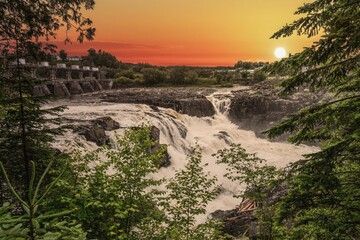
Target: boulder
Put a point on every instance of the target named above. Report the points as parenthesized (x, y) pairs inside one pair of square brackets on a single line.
[(165, 161), (237, 223), (94, 133), (94, 130), (107, 123), (241, 221)]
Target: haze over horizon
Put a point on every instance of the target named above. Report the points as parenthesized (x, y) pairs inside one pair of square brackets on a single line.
[(201, 33)]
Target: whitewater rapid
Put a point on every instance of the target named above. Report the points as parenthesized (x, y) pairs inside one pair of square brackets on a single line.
[(211, 133)]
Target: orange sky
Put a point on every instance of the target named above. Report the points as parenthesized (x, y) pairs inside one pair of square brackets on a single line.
[(191, 32)]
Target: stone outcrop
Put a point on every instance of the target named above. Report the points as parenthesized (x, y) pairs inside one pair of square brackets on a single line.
[(241, 221), (74, 87), (237, 223), (107, 123), (260, 108), (94, 130), (182, 100), (94, 133)]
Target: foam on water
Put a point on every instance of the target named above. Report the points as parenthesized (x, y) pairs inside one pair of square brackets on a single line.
[(211, 133)]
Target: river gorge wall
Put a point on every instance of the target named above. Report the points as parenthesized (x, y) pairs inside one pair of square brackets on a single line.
[(261, 107), (254, 108)]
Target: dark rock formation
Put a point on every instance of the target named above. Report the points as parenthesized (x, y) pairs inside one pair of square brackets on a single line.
[(94, 130), (94, 133), (237, 223), (155, 136), (260, 108), (97, 86), (165, 161), (182, 100), (107, 123), (199, 106)]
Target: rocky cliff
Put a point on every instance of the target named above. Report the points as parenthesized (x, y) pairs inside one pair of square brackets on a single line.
[(183, 100), (256, 108), (261, 107)]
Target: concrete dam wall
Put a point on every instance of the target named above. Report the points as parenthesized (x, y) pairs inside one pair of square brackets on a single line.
[(67, 88)]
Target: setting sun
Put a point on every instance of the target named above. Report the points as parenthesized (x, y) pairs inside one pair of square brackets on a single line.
[(280, 52)]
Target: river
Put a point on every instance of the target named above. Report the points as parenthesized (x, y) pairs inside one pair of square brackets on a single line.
[(180, 131)]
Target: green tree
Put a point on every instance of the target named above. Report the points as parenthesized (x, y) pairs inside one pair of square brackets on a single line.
[(259, 179), (101, 59), (244, 65), (222, 77), (177, 75), (189, 192), (25, 126), (63, 55), (324, 197), (153, 76), (244, 74), (117, 194), (191, 76), (34, 223), (129, 73)]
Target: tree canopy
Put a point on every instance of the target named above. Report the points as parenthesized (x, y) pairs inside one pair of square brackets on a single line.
[(101, 59), (35, 19), (324, 197)]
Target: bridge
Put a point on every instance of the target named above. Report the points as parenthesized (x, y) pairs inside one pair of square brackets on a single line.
[(64, 81)]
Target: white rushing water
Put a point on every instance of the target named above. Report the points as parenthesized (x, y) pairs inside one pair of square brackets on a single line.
[(211, 133)]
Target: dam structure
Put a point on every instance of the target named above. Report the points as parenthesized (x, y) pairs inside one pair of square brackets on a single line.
[(64, 81)]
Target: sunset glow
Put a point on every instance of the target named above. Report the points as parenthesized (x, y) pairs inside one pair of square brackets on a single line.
[(280, 52), (188, 32)]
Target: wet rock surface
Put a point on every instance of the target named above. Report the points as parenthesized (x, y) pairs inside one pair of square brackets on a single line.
[(94, 133), (107, 123), (240, 223), (261, 107), (94, 130), (256, 108), (189, 101), (237, 223)]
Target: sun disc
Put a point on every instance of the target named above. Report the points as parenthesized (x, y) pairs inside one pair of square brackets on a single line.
[(280, 52)]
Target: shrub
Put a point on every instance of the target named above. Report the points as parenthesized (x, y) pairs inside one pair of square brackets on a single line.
[(259, 76), (123, 82)]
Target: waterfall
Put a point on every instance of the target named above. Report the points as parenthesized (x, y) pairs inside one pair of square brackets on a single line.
[(180, 131), (220, 102)]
